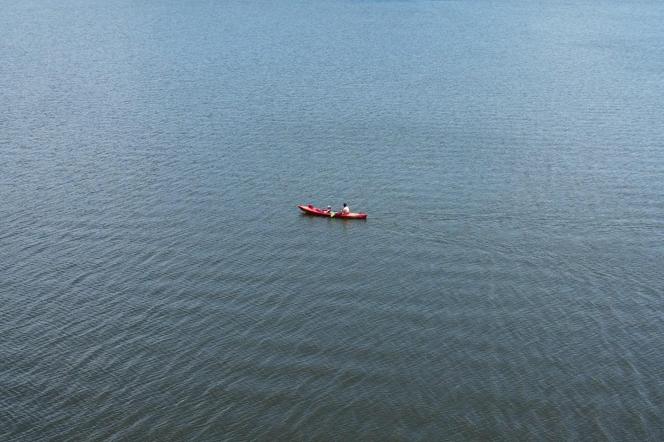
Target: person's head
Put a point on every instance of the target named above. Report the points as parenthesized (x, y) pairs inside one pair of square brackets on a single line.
[(345, 205)]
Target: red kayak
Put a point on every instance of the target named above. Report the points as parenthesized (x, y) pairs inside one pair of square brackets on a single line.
[(315, 211)]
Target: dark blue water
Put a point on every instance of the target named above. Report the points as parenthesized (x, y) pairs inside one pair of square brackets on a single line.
[(158, 283)]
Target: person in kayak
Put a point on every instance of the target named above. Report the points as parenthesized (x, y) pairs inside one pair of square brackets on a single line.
[(346, 209)]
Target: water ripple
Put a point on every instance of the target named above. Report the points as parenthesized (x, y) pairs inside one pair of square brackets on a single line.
[(157, 281)]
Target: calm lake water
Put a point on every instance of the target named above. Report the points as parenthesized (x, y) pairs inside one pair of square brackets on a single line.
[(158, 283)]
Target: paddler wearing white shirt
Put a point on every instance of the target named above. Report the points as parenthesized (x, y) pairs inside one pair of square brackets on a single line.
[(345, 209)]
